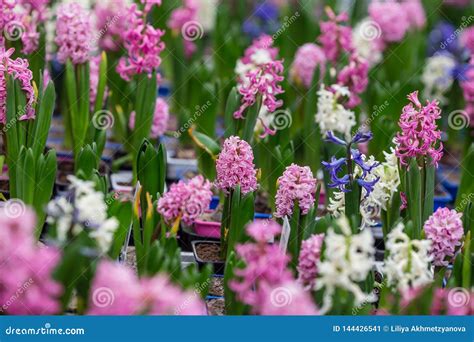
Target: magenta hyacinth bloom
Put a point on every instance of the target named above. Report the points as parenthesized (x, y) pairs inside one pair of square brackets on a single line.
[(444, 228), (26, 284), (415, 13), (296, 185), (116, 290), (187, 200), (392, 19), (19, 69), (354, 76), (308, 57), (160, 119), (143, 44), (235, 166), (335, 38), (308, 260), (420, 134), (263, 82), (73, 33)]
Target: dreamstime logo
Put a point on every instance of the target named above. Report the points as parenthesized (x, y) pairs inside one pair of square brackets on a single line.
[(14, 30), (194, 209), (281, 297), (199, 110), (458, 297), (281, 119), (103, 119), (458, 119), (192, 30), (14, 208), (466, 21), (370, 30), (103, 297)]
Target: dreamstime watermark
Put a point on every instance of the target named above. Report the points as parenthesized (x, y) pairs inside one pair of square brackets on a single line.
[(370, 30), (92, 218), (13, 208), (199, 110), (369, 299), (98, 35), (458, 297), (286, 23), (281, 119), (14, 30), (465, 200), (466, 21), (281, 296), (103, 119), (103, 297), (21, 111), (46, 330), (458, 119), (377, 110), (18, 293), (192, 30), (199, 288)]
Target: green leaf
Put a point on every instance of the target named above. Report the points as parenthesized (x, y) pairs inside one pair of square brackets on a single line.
[(232, 104), (42, 121), (251, 120), (429, 187), (414, 197), (205, 142)]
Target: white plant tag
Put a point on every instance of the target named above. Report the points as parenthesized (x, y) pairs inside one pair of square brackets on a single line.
[(285, 235)]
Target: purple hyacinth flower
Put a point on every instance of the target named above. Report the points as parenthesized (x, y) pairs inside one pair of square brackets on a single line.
[(330, 137), (367, 185), (362, 137), (357, 158)]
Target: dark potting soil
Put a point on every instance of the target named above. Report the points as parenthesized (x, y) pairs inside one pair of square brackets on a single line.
[(185, 153), (217, 286), (261, 203), (216, 307), (4, 185), (209, 252)]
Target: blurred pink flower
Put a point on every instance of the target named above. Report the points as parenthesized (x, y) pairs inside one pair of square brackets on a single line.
[(453, 301), (296, 185), (308, 57), (183, 20), (467, 85), (116, 290), (235, 166), (143, 44), (392, 18), (263, 231), (187, 200), (110, 23), (420, 134), (467, 38), (26, 284), (335, 38), (444, 228), (308, 260), (160, 119), (415, 13), (73, 33), (287, 299), (354, 76)]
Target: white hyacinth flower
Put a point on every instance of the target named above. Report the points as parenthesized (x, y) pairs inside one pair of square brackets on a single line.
[(408, 264), (437, 76), (365, 37), (348, 259), (331, 115)]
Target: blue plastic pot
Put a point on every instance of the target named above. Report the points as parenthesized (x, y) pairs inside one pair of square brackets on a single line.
[(442, 200)]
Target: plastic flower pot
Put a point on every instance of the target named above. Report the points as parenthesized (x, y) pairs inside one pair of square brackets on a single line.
[(208, 252), (442, 197), (207, 228), (450, 178), (214, 202), (122, 181), (187, 235)]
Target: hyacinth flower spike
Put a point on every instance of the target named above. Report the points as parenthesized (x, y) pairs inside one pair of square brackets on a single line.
[(354, 180)]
